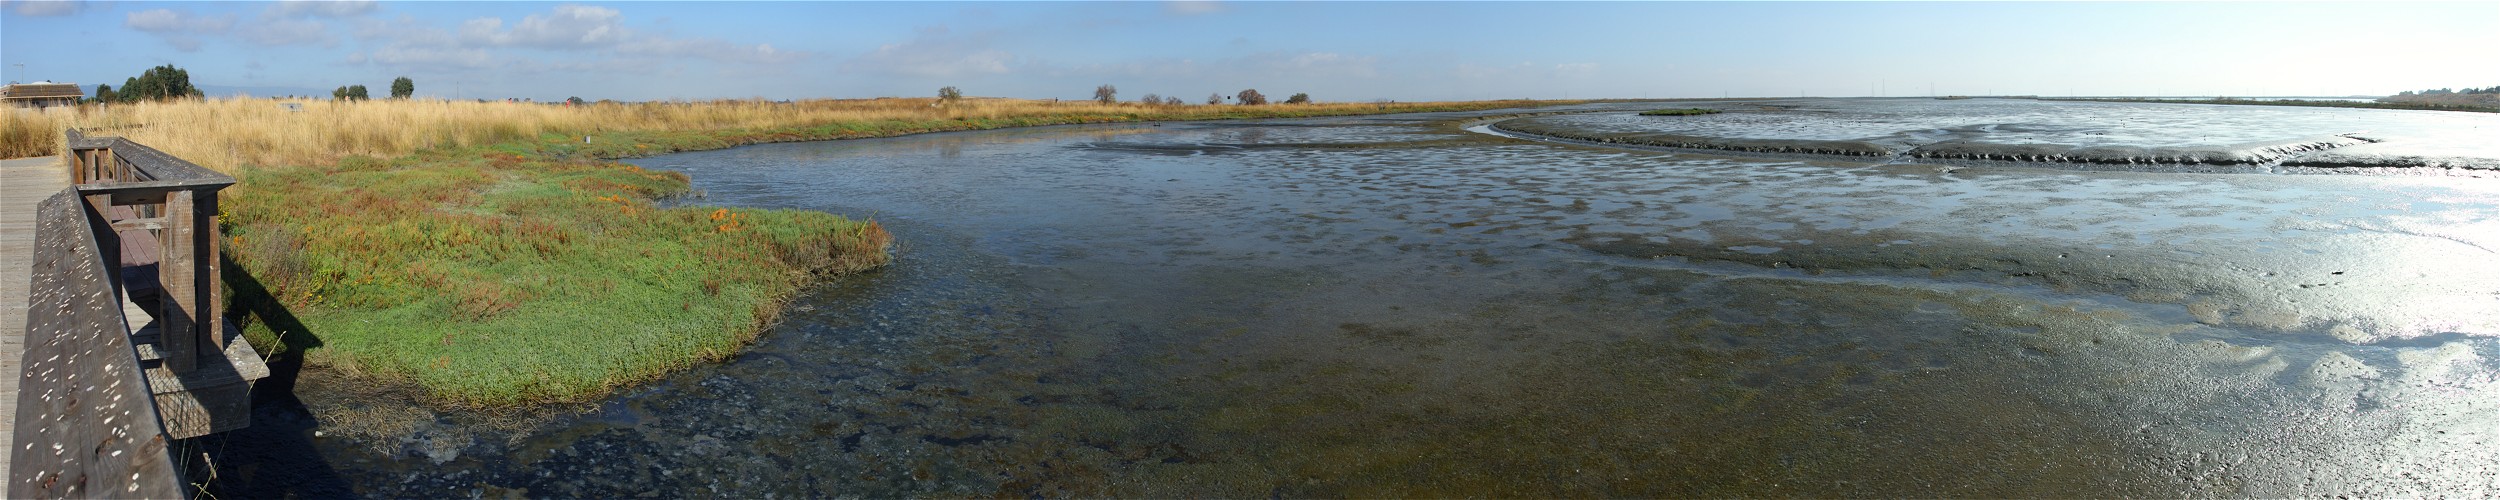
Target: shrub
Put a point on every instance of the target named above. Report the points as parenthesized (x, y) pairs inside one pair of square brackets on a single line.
[(950, 94), (1150, 99), (1215, 98), (1298, 98), (1251, 97), (1174, 101)]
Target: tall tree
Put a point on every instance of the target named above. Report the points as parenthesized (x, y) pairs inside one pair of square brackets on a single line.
[(403, 88), (158, 83)]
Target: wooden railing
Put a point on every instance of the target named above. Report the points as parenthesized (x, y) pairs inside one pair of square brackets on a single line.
[(100, 400), (85, 423), (176, 201)]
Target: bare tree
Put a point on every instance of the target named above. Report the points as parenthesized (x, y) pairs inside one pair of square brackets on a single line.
[(1151, 99), (1215, 98), (1251, 97), (1107, 94), (949, 93), (1173, 101)]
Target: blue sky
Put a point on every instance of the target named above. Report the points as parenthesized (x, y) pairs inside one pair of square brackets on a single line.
[(1337, 51)]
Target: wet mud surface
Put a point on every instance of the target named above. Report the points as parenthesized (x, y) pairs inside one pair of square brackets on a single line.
[(1215, 310), (2100, 136)]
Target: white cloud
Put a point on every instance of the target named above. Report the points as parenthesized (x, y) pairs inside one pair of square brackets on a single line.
[(182, 29), (45, 8), (587, 28), (280, 24), (575, 41), (1193, 7), (275, 32), (323, 8), (430, 58), (933, 54), (171, 21), (568, 27)]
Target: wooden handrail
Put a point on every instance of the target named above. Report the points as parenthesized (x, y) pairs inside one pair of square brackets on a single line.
[(86, 424)]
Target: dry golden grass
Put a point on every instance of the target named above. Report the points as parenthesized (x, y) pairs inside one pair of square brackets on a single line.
[(25, 133), (224, 133)]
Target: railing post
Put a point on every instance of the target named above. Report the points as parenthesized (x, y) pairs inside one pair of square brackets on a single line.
[(212, 274), (183, 315)]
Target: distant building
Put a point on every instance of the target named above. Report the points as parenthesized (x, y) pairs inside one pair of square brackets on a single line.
[(41, 95)]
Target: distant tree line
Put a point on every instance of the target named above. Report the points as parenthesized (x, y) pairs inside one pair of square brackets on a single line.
[(1108, 94), (401, 88), (156, 84), (2486, 90)]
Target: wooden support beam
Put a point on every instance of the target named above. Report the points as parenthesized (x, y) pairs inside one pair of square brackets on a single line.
[(149, 192), (151, 223), (211, 262)]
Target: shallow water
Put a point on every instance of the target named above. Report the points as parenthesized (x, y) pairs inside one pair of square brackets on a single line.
[(1373, 306)]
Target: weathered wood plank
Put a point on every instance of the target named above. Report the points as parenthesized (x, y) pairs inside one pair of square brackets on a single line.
[(86, 425), (153, 165), (24, 183)]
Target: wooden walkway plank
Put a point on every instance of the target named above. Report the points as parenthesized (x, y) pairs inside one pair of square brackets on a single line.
[(23, 184)]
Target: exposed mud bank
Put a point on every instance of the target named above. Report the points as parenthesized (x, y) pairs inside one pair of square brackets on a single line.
[(1773, 146), (2243, 154), (2058, 135)]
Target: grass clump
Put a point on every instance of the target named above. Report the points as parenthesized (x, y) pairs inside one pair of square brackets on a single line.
[(1680, 112), (28, 133), (492, 278), (486, 255)]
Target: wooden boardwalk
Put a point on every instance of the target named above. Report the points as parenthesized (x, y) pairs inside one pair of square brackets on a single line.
[(23, 184)]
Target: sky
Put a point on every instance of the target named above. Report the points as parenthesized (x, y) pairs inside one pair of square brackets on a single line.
[(1335, 51)]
